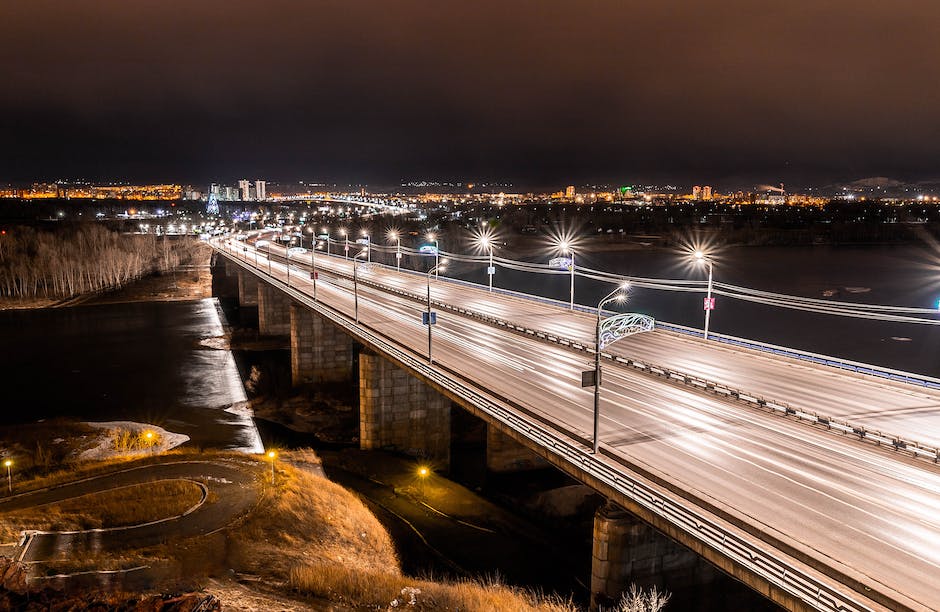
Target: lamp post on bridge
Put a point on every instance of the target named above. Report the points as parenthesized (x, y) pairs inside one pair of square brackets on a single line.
[(485, 241), (394, 235), (617, 295), (709, 304), (356, 282), (565, 247), (437, 253), (345, 235)]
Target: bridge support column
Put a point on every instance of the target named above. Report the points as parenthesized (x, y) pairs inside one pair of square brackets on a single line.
[(628, 551), (399, 412), (273, 311), (319, 351), (247, 289), (503, 454)]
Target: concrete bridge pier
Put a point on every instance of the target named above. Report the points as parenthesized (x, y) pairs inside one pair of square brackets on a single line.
[(273, 311), (400, 412), (628, 551), (247, 289), (504, 454), (319, 351)]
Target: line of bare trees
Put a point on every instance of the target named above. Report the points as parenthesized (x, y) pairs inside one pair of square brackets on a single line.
[(87, 258)]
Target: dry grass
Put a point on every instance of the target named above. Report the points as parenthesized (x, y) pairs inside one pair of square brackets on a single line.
[(382, 589), (307, 518), (120, 507)]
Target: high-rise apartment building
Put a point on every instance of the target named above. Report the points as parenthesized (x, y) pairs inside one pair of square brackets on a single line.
[(260, 190), (569, 191), (696, 192), (244, 186)]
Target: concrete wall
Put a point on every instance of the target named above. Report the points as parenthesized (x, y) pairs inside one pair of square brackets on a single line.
[(247, 289), (503, 454), (399, 412), (319, 351), (628, 551), (273, 311)]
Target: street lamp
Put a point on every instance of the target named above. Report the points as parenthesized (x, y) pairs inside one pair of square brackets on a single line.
[(617, 295), (485, 241), (326, 231), (709, 304), (437, 253), (394, 235), (429, 320), (272, 455), (9, 465), (356, 282), (368, 238), (345, 235), (566, 249)]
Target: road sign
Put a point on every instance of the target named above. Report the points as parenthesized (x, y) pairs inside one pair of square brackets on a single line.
[(491, 270), (709, 303), (362, 241), (563, 263), (588, 378), (427, 249), (429, 315), (314, 275)]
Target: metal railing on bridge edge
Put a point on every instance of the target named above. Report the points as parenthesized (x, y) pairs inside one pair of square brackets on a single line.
[(787, 576)]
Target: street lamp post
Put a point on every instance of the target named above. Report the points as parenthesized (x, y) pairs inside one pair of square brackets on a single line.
[(345, 235), (272, 455), (566, 249), (326, 231), (437, 253), (617, 295), (356, 283), (9, 465), (397, 238), (368, 246), (430, 321), (709, 304)]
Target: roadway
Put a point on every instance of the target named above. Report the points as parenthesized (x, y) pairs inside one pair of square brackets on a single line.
[(854, 509)]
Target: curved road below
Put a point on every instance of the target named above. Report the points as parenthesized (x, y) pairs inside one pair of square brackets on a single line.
[(233, 487)]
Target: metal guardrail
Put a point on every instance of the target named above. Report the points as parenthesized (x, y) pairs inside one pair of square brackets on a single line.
[(781, 572)]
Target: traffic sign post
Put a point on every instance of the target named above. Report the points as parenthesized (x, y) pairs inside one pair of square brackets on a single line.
[(429, 318), (709, 303)]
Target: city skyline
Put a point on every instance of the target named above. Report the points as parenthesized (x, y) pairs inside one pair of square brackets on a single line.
[(723, 92)]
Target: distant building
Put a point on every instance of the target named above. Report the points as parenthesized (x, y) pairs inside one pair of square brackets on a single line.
[(696, 193), (707, 192), (260, 193), (244, 186), (569, 191)]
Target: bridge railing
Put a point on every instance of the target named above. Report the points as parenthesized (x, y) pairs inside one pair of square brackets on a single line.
[(711, 528)]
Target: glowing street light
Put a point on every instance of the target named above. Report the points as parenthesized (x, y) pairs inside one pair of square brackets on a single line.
[(9, 465), (326, 231), (424, 472), (484, 240), (356, 281), (709, 304), (617, 295), (565, 247), (437, 252), (394, 235), (368, 238), (345, 235), (272, 457)]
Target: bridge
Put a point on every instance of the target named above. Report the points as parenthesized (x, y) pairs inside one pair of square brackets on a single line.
[(812, 480)]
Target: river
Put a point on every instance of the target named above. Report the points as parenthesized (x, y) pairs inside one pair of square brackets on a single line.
[(154, 362)]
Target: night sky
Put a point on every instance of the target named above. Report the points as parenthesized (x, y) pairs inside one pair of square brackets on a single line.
[(535, 92)]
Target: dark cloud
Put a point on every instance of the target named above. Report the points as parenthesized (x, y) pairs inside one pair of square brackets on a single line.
[(535, 91)]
